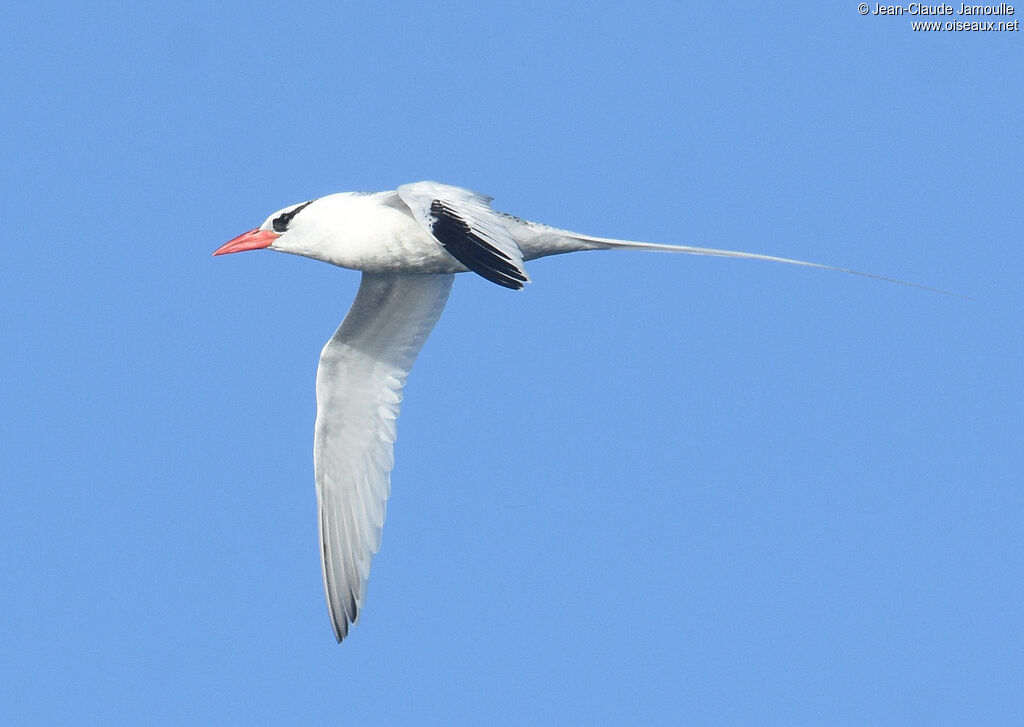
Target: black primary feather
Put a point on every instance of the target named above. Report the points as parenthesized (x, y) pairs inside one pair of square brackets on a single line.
[(473, 250)]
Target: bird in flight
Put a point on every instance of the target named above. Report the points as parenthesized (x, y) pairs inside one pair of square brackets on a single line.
[(409, 244)]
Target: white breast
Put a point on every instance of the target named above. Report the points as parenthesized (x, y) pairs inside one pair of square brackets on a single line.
[(363, 232)]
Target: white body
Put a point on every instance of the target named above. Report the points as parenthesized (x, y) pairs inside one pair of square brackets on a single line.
[(372, 233)]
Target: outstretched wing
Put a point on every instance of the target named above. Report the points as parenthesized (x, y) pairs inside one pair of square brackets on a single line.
[(466, 226), (358, 392)]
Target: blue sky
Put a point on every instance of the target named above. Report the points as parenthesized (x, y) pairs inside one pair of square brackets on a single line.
[(646, 490)]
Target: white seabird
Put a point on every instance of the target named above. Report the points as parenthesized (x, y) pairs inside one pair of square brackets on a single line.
[(409, 243)]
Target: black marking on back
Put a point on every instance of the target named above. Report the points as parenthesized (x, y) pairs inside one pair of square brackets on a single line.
[(281, 222), (472, 250)]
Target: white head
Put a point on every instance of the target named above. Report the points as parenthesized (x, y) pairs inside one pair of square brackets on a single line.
[(283, 224), (342, 229)]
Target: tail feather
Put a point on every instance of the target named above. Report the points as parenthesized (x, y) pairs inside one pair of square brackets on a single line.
[(609, 244)]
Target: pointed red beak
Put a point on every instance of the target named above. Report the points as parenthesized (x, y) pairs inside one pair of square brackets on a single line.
[(251, 240)]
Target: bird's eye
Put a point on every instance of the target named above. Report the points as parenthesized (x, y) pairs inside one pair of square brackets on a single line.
[(281, 222)]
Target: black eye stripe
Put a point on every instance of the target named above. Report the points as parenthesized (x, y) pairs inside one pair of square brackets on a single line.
[(281, 222)]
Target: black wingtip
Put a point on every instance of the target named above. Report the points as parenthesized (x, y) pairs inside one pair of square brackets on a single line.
[(474, 251)]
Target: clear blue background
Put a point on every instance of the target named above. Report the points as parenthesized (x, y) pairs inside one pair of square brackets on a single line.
[(646, 490)]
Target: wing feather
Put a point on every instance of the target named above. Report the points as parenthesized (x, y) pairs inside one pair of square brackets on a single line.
[(466, 226), (358, 393)]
